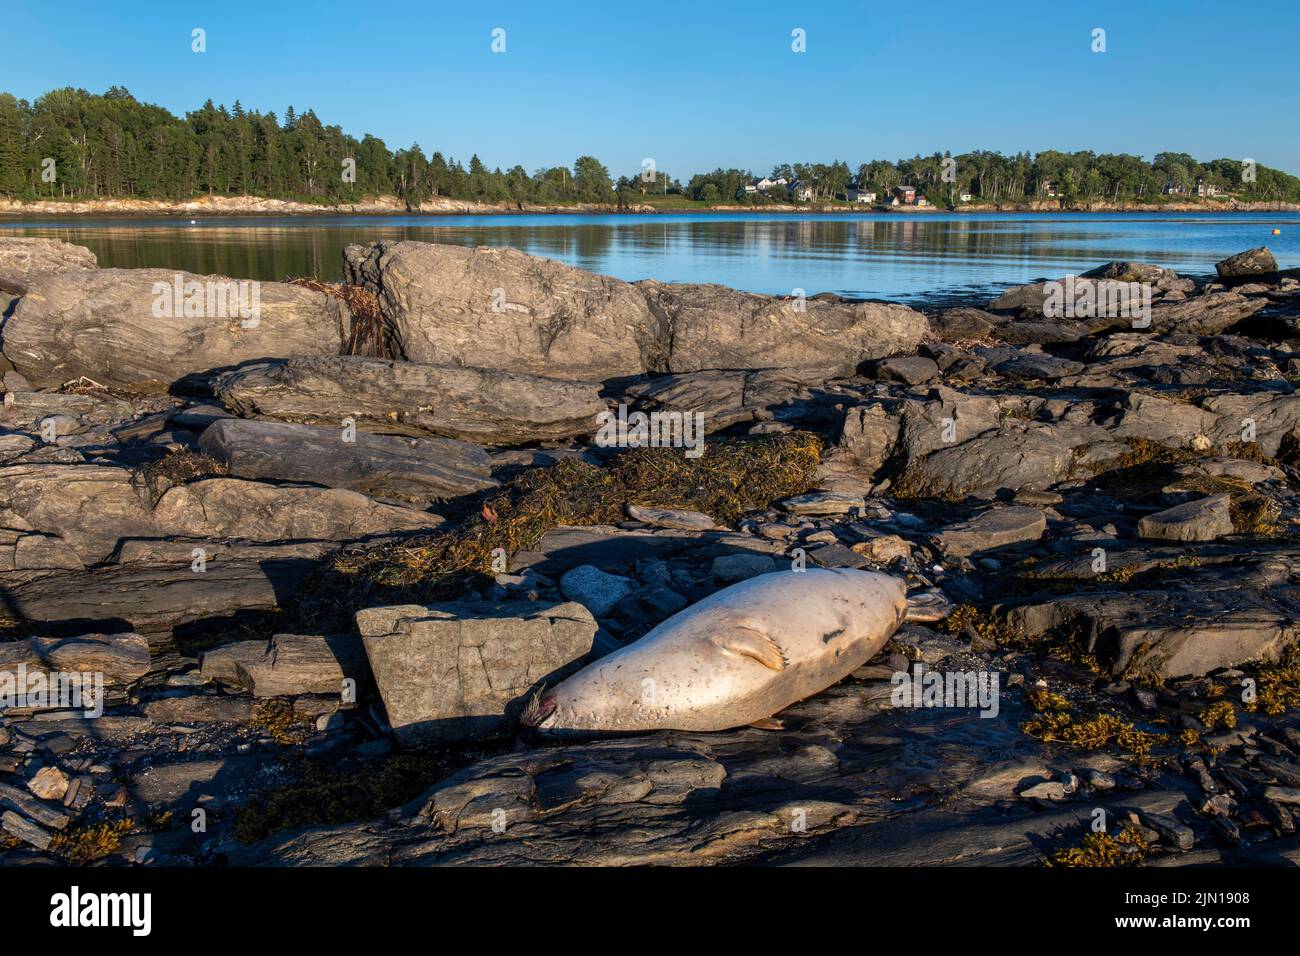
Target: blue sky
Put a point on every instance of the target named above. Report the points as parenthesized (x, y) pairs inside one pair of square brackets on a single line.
[(705, 83)]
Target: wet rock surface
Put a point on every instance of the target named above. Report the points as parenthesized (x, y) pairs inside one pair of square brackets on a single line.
[(324, 648)]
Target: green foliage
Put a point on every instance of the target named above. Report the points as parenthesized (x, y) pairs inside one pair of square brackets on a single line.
[(113, 146)]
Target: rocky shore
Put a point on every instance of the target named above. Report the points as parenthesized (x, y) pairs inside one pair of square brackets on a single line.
[(319, 545)]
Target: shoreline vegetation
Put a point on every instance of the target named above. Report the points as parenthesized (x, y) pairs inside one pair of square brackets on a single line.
[(241, 206), (71, 152)]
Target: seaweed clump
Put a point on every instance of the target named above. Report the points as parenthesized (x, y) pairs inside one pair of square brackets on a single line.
[(732, 478), (153, 479), (1128, 848), (326, 794), (1054, 723), (370, 334), (81, 845)]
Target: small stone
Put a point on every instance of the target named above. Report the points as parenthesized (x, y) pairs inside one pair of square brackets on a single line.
[(1144, 699), (25, 830), (1038, 499), (661, 601), (908, 369), (50, 783), (670, 518), (1099, 779), (59, 425), (594, 589), (730, 568), (884, 549), (1219, 805), (1201, 520), (837, 556), (1049, 790), (817, 503), (992, 530), (1171, 831), (1287, 795)]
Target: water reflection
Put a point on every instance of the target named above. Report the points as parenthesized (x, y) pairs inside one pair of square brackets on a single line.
[(886, 256)]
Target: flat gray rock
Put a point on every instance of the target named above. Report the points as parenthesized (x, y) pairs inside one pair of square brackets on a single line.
[(419, 470), (996, 528), (672, 518), (908, 369), (454, 672), (1201, 520), (730, 568), (823, 503), (294, 664), (122, 658), (487, 406)]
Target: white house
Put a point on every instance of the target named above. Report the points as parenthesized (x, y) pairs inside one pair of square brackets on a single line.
[(857, 194), (1204, 189), (801, 190), (766, 183)]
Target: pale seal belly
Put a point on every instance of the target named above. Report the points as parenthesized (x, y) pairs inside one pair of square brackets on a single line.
[(735, 658)]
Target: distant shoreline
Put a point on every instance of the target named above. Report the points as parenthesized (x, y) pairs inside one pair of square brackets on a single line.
[(249, 206)]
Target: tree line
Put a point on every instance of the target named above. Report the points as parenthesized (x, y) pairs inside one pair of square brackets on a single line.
[(71, 144), (1082, 176)]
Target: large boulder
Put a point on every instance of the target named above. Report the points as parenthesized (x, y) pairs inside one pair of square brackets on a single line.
[(505, 309), (482, 405), (1251, 262), (128, 328), (712, 326), (453, 672), (420, 470)]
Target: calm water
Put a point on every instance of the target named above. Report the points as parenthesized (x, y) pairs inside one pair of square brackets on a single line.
[(877, 256)]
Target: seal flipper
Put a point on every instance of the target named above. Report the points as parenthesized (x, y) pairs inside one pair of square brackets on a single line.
[(750, 643), (768, 723)]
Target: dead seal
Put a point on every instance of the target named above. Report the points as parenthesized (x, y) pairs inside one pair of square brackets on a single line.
[(735, 658)]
